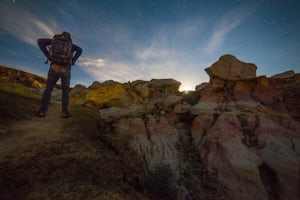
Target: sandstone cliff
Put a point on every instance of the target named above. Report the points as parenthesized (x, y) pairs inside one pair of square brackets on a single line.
[(236, 137)]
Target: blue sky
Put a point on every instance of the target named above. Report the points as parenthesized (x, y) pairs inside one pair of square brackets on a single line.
[(138, 39)]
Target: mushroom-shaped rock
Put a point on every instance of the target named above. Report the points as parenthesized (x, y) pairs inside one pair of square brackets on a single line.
[(229, 67)]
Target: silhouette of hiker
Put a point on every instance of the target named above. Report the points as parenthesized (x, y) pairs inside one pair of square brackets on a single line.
[(60, 51)]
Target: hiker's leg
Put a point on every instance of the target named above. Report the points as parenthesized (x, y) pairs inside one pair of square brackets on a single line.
[(51, 81), (65, 85)]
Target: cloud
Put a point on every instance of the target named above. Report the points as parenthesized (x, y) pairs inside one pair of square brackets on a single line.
[(103, 69), (150, 63), (162, 62), (157, 61), (223, 28), (113, 49), (24, 25), (164, 55)]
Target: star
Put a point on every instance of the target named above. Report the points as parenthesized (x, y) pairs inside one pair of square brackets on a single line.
[(152, 39)]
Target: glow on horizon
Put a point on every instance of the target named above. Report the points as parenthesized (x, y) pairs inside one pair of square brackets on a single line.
[(186, 87)]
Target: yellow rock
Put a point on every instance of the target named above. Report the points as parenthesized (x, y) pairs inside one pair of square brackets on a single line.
[(78, 99), (18, 88), (108, 96)]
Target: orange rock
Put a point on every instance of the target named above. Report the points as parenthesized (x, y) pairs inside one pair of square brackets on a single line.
[(229, 67), (268, 95), (243, 90)]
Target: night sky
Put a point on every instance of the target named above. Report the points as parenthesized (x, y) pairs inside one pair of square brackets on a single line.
[(144, 39)]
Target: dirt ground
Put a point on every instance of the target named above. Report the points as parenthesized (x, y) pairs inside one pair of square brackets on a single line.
[(57, 158)]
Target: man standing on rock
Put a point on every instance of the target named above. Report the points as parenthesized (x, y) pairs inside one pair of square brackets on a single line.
[(60, 51)]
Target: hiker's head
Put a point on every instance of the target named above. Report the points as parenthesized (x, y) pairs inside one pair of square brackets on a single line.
[(66, 34)]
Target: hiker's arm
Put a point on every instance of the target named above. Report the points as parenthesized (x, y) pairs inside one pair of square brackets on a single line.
[(43, 43), (77, 54)]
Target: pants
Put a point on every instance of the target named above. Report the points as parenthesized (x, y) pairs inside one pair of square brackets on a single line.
[(55, 72)]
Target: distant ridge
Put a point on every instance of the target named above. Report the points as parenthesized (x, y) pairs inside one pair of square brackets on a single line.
[(26, 78)]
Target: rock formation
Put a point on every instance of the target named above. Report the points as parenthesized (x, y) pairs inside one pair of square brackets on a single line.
[(236, 137), (244, 130), (229, 67)]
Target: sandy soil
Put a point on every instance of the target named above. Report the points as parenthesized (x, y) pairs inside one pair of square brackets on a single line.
[(18, 135)]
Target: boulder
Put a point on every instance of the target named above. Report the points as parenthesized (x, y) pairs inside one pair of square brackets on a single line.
[(172, 100), (162, 87), (78, 89), (109, 83), (182, 108), (204, 107), (108, 96), (287, 74), (201, 86), (229, 67), (95, 85), (56, 94), (78, 94), (141, 88), (164, 83), (116, 113)]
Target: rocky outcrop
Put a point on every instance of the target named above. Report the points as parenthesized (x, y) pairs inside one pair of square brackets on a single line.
[(247, 133), (242, 130), (235, 137), (108, 96), (114, 94), (229, 67), (287, 74)]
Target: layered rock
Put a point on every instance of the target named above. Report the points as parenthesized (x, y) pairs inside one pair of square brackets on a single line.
[(237, 167), (236, 137), (248, 135), (155, 140), (243, 130)]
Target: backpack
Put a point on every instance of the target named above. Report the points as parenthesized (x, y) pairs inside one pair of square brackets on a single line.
[(60, 51)]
